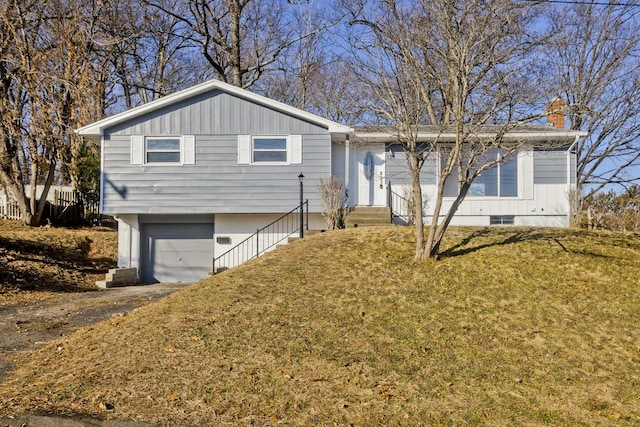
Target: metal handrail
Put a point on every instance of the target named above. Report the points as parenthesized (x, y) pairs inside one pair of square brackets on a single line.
[(263, 239), (399, 205)]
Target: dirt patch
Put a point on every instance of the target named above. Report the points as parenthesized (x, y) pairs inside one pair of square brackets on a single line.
[(51, 421), (37, 263), (26, 327)]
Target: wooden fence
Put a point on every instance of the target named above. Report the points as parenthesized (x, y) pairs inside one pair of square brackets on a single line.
[(66, 208)]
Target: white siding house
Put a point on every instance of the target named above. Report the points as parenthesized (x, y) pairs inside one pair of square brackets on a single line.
[(191, 175), (531, 188)]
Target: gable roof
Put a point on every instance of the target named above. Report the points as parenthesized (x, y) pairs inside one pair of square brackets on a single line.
[(96, 129)]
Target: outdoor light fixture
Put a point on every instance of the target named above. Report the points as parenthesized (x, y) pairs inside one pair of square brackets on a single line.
[(391, 154)]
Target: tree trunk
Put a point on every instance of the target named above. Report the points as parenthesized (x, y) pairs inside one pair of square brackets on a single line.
[(438, 232), (434, 220), (11, 176), (419, 221), (42, 202), (17, 193), (235, 62)]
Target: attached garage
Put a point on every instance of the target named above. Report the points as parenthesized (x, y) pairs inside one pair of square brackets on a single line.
[(176, 251)]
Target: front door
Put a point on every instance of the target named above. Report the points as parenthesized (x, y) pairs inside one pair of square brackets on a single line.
[(371, 180)]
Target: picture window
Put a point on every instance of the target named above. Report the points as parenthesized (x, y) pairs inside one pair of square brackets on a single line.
[(498, 181)]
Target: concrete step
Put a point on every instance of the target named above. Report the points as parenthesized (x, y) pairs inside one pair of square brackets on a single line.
[(365, 215), (368, 216), (370, 223), (118, 277), (369, 209)]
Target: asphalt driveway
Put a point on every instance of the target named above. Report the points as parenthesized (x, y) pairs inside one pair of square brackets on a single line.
[(26, 327)]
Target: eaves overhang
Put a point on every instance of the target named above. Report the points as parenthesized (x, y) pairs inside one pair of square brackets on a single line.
[(533, 134)]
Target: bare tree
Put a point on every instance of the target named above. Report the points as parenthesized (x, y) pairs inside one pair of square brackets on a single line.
[(240, 39), (313, 79), (296, 72), (337, 93), (28, 154), (148, 60), (593, 63), (46, 92), (456, 65), (12, 109)]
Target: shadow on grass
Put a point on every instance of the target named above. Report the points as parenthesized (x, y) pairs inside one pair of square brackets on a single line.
[(463, 248), (511, 237), (27, 265)]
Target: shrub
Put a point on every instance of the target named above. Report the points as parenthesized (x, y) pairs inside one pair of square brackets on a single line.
[(333, 197), (614, 211)]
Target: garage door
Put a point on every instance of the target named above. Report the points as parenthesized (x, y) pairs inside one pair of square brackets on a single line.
[(176, 252)]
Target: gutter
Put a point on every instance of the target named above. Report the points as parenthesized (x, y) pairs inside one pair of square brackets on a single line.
[(540, 136)]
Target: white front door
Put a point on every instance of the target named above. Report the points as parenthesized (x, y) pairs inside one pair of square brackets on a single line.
[(371, 180)]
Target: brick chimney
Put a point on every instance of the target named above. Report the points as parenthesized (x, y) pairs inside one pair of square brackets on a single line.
[(555, 113)]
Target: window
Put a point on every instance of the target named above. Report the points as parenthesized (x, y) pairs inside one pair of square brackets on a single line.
[(509, 177), (269, 149), (501, 220), (162, 150), (498, 181), (180, 150)]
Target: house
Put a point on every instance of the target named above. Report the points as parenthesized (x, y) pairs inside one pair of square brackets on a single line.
[(192, 175), (532, 187)]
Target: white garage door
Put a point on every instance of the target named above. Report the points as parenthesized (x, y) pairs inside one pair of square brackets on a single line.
[(176, 252)]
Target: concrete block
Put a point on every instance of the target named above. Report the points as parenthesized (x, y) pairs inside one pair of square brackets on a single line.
[(119, 277)]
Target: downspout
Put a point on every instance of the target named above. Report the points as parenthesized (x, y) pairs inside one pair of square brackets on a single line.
[(130, 247), (347, 166), (101, 201), (569, 180)]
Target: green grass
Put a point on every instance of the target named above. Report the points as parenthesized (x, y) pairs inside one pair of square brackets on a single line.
[(512, 327)]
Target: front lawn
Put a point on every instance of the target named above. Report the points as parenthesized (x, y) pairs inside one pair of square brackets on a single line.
[(512, 327)]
